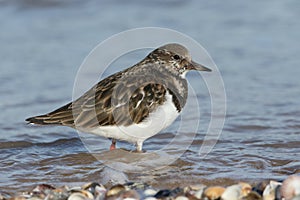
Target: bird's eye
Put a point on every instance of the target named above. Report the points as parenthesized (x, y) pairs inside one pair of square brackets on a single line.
[(176, 57)]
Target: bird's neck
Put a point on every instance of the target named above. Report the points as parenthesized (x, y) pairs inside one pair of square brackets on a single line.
[(177, 87)]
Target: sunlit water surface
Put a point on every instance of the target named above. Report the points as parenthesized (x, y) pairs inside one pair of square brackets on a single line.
[(255, 45)]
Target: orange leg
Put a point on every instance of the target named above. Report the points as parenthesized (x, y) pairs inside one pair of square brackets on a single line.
[(113, 144)]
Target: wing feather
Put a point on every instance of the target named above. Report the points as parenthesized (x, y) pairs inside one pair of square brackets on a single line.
[(124, 98)]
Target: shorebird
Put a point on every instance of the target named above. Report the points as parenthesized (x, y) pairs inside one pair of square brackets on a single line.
[(134, 104)]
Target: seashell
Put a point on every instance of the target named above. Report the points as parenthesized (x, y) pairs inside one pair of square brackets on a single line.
[(136, 186), (77, 196), (260, 187), (181, 198), (198, 194), (43, 188), (58, 194), (26, 195), (290, 187), (85, 193), (194, 191), (252, 195), (296, 198), (4, 196), (270, 190), (91, 187), (18, 198), (150, 198), (176, 192), (214, 192), (40, 191), (115, 190), (162, 194), (197, 187), (96, 189), (233, 192), (35, 198), (246, 188), (149, 192), (236, 192), (130, 194), (169, 193)]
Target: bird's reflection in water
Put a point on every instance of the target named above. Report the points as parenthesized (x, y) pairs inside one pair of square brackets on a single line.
[(136, 162)]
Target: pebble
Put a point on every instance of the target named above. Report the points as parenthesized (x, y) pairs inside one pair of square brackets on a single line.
[(289, 189)]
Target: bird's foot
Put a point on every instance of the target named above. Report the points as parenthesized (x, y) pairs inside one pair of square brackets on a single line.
[(138, 151), (113, 145)]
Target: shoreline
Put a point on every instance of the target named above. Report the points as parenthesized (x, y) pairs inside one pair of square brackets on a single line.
[(268, 189)]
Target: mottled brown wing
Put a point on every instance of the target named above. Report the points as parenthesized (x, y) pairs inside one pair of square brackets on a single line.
[(127, 100), (123, 98), (81, 108)]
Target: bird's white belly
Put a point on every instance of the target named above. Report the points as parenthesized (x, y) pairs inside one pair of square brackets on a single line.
[(158, 120)]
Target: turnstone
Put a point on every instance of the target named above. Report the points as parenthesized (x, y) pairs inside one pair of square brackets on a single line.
[(134, 104)]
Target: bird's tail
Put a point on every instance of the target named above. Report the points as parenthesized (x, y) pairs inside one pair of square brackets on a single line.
[(42, 120), (61, 116)]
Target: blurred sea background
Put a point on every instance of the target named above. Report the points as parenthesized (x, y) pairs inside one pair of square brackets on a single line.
[(255, 45)]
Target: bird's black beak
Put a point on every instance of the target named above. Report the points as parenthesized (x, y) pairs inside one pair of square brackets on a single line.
[(198, 67)]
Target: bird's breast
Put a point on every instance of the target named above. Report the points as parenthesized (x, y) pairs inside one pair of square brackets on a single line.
[(159, 119)]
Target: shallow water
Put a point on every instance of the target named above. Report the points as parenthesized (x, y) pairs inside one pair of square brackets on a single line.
[(255, 46)]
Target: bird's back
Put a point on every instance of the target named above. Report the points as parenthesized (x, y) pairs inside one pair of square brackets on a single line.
[(123, 98)]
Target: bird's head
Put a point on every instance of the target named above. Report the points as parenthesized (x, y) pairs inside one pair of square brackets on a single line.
[(176, 58)]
